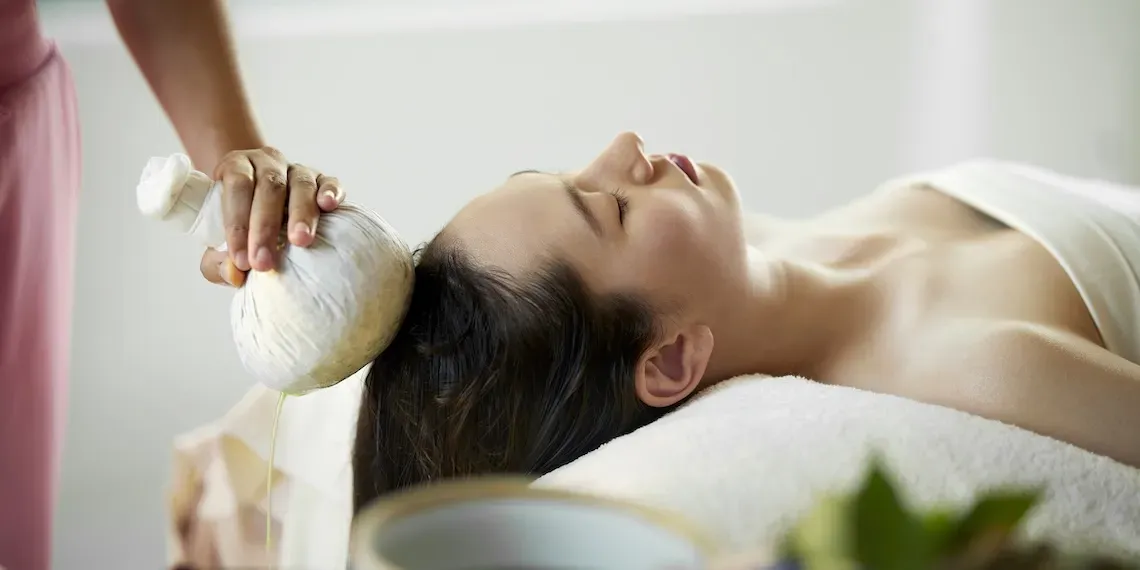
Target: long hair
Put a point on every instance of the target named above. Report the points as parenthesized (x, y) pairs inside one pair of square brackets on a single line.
[(489, 374)]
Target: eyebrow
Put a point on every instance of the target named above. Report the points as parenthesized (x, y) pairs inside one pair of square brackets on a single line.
[(575, 197)]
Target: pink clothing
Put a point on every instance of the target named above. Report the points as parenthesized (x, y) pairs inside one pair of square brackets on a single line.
[(39, 190)]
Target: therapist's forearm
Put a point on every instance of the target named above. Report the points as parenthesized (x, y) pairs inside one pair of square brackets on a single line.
[(185, 51)]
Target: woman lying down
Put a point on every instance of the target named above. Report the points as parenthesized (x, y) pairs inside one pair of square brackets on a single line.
[(565, 309)]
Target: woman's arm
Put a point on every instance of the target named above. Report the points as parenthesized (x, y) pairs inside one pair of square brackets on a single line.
[(185, 51), (1057, 385)]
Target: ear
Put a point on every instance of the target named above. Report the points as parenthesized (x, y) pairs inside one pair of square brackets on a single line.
[(674, 367)]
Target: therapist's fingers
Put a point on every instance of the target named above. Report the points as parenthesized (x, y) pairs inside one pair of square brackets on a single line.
[(217, 267), (269, 198), (303, 210), (237, 176), (329, 193)]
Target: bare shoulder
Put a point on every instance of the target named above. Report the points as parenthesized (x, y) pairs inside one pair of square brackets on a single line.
[(1041, 379)]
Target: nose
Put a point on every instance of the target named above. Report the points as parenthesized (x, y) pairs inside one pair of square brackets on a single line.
[(622, 163)]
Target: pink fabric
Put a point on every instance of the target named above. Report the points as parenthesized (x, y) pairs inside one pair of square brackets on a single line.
[(22, 46), (39, 190)]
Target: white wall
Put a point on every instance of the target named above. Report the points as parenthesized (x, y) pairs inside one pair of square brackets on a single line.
[(807, 107)]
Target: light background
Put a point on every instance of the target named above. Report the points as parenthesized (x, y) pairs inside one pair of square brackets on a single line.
[(417, 105)]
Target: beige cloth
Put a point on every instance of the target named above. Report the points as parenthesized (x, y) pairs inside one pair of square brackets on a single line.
[(217, 500)]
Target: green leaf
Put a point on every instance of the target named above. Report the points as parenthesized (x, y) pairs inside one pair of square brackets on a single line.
[(992, 520), (887, 536), (940, 525), (822, 539)]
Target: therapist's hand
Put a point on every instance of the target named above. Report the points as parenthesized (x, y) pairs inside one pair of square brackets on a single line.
[(261, 191)]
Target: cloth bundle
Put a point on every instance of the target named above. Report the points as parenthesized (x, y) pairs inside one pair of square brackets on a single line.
[(326, 311), (329, 308)]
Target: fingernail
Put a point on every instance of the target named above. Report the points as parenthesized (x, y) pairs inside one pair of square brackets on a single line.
[(264, 257), (332, 194), (301, 229), (241, 260)]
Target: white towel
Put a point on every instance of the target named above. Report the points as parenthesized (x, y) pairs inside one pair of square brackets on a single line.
[(743, 460), (746, 459)]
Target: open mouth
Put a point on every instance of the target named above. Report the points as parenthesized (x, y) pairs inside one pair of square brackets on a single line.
[(686, 166)]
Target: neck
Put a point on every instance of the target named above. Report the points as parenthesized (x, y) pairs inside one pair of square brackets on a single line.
[(796, 316)]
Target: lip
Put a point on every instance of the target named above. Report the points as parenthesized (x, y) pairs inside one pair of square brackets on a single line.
[(686, 166)]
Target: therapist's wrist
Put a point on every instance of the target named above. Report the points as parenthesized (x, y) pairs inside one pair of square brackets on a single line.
[(207, 150)]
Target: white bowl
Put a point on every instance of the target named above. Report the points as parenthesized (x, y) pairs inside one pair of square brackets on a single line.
[(484, 524)]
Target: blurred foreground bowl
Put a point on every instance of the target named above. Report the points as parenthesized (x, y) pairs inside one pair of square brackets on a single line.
[(504, 523)]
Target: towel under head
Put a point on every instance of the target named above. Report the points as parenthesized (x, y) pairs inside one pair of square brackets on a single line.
[(747, 459)]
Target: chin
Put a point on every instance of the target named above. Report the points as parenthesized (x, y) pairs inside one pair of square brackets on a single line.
[(718, 182)]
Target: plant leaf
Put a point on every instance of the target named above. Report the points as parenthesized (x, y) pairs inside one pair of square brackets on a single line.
[(822, 538), (992, 519), (940, 525), (887, 536)]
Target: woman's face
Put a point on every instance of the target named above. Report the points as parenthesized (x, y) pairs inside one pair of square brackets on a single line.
[(655, 225)]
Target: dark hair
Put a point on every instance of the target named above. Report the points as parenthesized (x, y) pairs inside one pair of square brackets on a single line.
[(492, 374)]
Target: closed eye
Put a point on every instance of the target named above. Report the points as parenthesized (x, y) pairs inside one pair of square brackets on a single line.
[(622, 204)]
